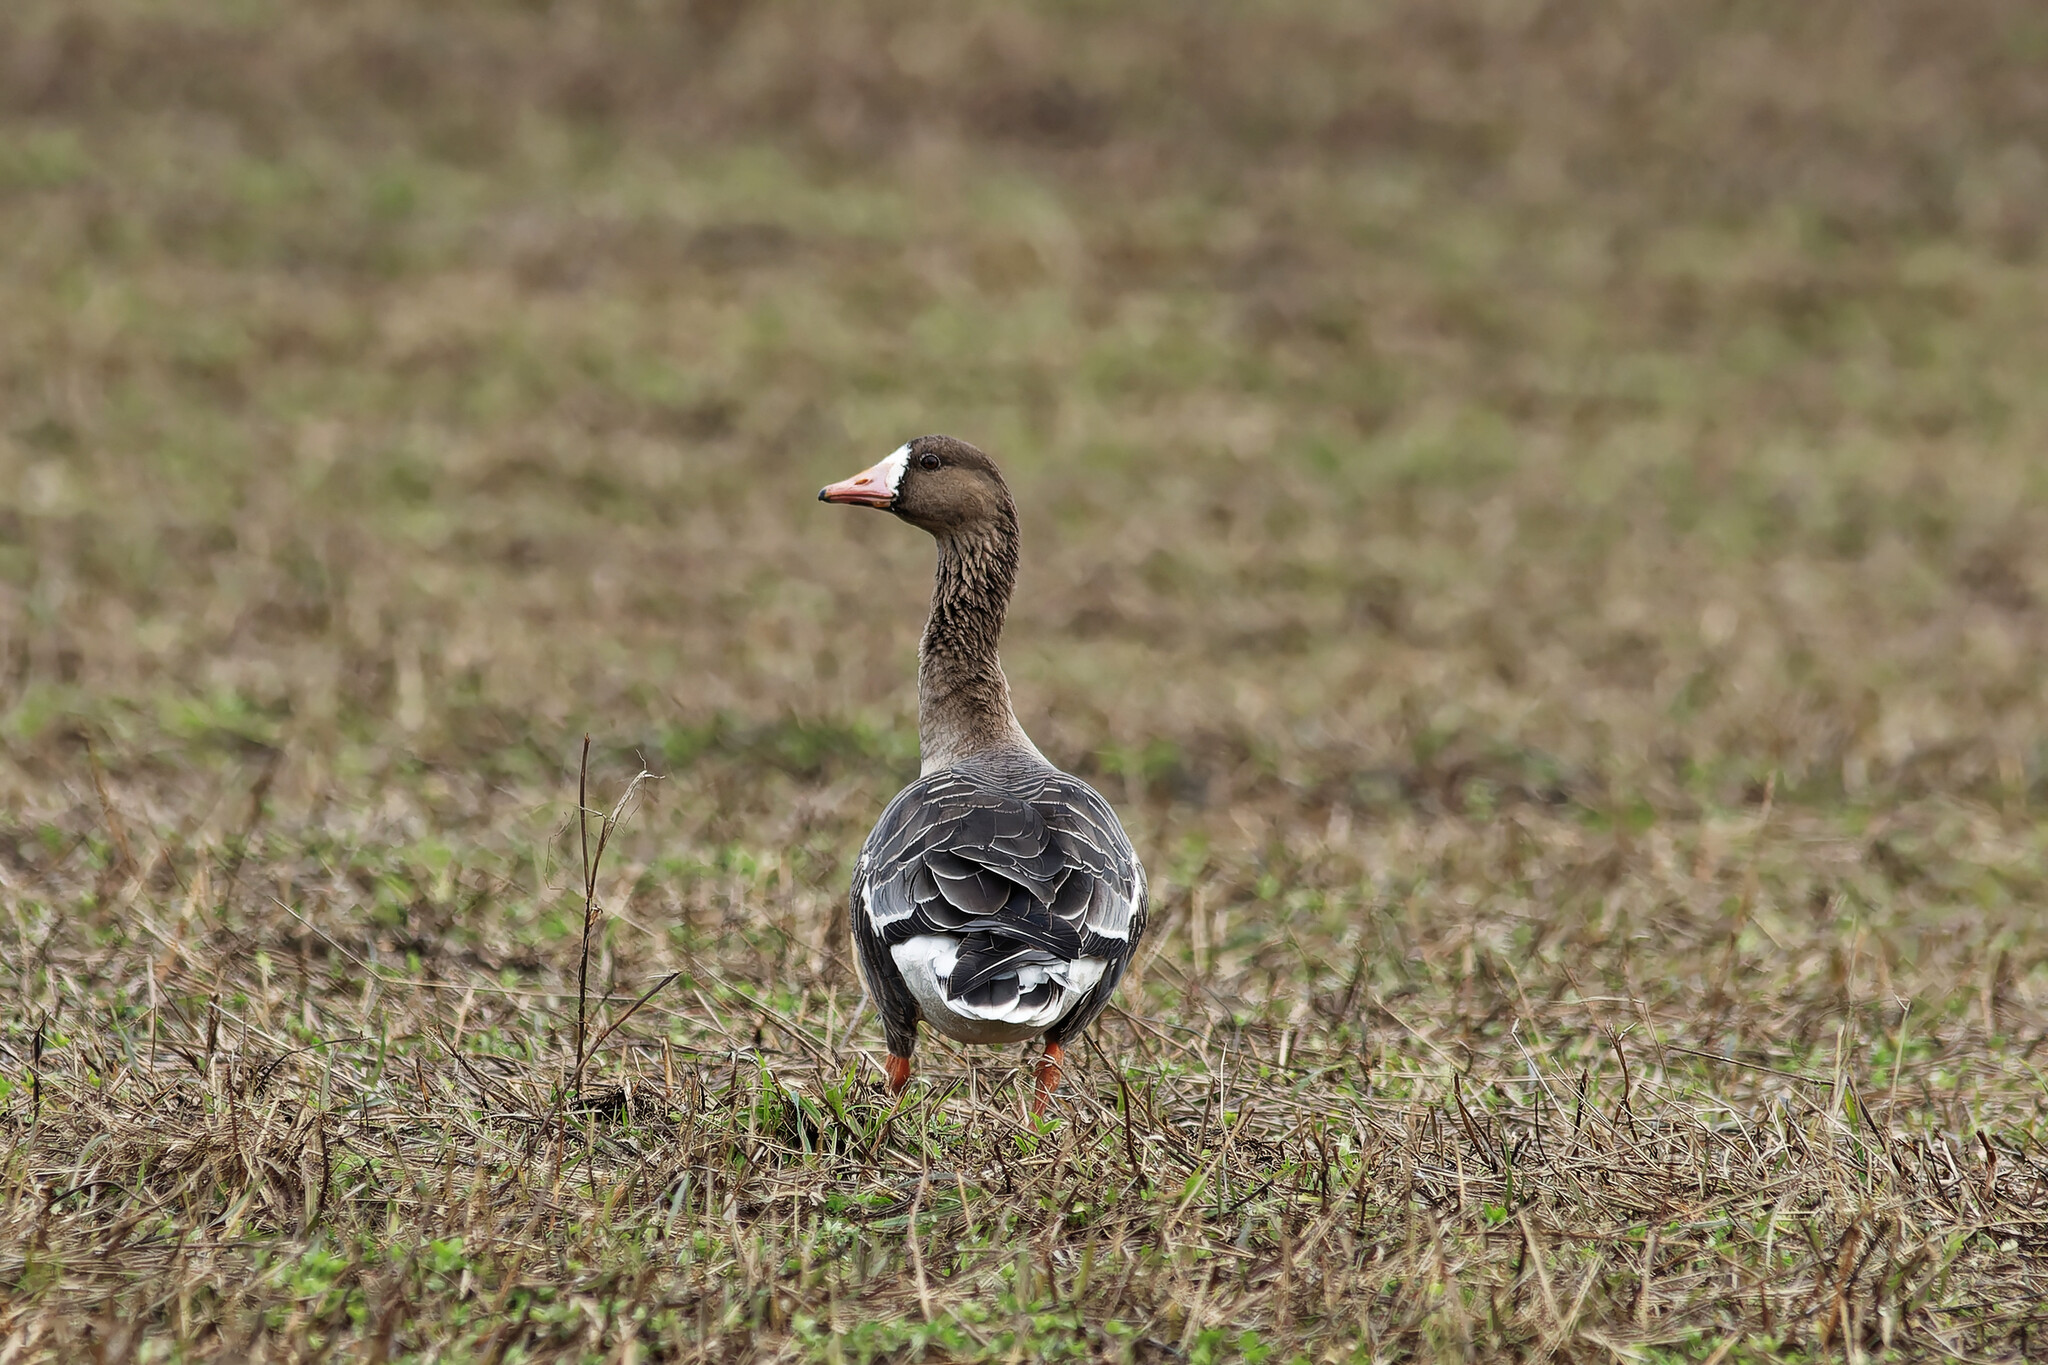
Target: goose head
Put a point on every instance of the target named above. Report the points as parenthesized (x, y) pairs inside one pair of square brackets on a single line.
[(935, 483)]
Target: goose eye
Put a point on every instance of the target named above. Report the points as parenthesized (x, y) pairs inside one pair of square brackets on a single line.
[(928, 460)]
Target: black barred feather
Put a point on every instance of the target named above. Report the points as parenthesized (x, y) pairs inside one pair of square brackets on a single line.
[(1027, 865)]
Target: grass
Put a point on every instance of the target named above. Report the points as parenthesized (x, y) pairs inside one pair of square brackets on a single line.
[(1533, 514)]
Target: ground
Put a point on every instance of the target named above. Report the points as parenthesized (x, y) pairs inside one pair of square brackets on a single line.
[(1534, 514)]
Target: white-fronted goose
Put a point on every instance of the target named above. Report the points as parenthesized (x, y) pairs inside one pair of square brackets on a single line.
[(998, 898)]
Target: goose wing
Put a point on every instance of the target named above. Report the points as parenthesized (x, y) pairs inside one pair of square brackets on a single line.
[(1030, 872)]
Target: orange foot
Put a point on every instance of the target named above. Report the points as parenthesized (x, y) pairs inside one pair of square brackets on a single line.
[(897, 1069), (1048, 1077)]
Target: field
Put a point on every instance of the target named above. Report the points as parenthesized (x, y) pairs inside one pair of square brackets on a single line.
[(1535, 513)]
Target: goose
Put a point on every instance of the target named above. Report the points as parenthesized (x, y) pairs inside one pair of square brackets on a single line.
[(998, 899)]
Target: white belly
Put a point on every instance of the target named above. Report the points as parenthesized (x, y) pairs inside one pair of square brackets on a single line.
[(927, 960)]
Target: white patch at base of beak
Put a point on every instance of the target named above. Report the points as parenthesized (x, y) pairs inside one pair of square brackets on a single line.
[(891, 469)]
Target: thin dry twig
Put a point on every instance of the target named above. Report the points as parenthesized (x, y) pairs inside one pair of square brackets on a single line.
[(593, 860)]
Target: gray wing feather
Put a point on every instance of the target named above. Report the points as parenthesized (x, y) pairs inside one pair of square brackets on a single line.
[(892, 998), (1029, 856)]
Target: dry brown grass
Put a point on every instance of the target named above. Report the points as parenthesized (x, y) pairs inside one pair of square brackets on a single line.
[(1534, 514)]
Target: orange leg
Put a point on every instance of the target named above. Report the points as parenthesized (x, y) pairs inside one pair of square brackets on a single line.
[(1048, 1076), (897, 1069)]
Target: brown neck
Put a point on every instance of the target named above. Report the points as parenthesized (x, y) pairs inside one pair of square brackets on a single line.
[(963, 700)]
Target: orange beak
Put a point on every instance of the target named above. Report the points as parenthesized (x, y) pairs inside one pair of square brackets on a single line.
[(874, 486)]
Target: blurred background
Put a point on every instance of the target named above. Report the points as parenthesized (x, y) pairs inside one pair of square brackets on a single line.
[(1616, 402), (1622, 399)]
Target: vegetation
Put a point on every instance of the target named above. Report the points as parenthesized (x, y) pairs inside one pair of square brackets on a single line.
[(1534, 513)]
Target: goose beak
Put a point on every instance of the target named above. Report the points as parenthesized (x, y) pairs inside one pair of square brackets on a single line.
[(872, 487)]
